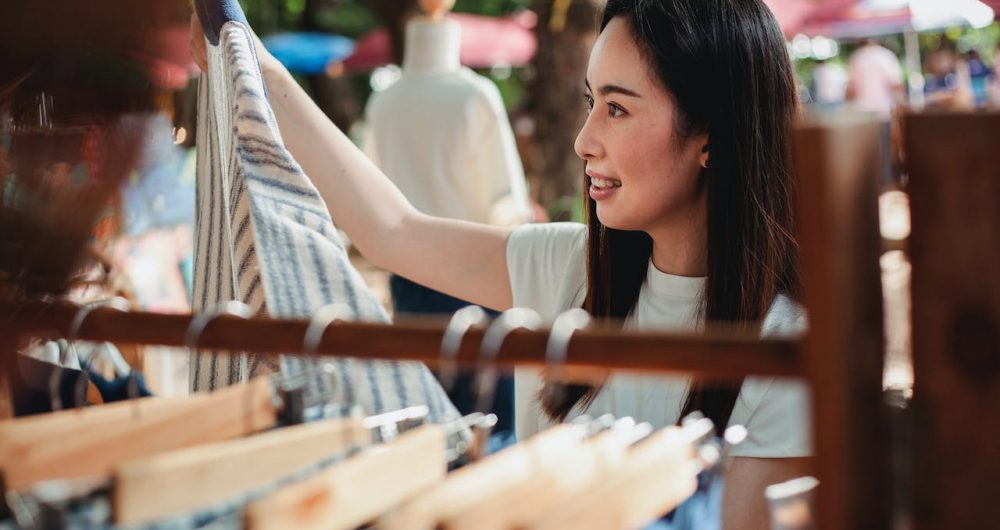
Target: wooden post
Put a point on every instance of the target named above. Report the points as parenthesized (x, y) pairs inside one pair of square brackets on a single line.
[(838, 167), (954, 165)]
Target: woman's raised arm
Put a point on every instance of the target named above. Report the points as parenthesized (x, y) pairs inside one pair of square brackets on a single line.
[(465, 260)]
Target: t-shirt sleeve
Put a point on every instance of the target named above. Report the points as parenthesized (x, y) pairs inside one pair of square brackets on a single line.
[(547, 270), (547, 266), (776, 412), (776, 415)]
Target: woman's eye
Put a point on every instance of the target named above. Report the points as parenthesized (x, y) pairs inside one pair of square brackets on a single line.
[(590, 102), (615, 111)]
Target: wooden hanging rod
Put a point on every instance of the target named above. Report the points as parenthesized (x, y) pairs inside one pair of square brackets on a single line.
[(719, 355)]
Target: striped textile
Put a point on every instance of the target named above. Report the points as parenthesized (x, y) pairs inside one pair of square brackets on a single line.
[(264, 237)]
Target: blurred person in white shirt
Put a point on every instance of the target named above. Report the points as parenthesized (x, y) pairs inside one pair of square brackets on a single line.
[(830, 82), (876, 79)]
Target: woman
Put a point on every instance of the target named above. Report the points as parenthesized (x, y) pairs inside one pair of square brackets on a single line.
[(690, 219)]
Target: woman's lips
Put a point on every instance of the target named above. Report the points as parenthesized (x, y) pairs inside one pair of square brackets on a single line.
[(602, 187)]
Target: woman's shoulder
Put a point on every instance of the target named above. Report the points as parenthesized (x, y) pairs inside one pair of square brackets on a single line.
[(786, 317), (548, 243), (776, 411), (576, 232), (777, 417), (547, 265)]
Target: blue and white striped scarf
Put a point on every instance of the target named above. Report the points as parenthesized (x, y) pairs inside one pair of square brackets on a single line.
[(264, 237)]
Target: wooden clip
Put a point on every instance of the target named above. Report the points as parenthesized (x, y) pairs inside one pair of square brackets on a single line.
[(656, 476), (360, 489), (183, 481), (580, 468), (63, 421), (478, 482), (229, 413)]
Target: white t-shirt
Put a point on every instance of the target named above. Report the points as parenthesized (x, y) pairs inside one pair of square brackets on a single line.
[(547, 264)]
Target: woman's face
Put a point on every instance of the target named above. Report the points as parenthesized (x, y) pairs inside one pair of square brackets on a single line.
[(642, 175)]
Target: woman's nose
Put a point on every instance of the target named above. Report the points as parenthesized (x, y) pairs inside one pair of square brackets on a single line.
[(587, 145)]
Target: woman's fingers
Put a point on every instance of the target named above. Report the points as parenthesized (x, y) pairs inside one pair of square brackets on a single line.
[(198, 51)]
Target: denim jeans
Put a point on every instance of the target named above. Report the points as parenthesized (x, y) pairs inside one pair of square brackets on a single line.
[(701, 511), (415, 299)]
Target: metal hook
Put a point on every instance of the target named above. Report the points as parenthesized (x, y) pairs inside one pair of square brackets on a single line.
[(200, 322), (507, 322), (318, 325), (117, 303), (387, 426), (565, 325), (82, 312), (460, 323)]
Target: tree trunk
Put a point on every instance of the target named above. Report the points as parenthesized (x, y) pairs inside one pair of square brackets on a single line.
[(334, 96), (556, 93), (394, 15)]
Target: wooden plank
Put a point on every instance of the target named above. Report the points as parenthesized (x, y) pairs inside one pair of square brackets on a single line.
[(955, 244), (838, 166)]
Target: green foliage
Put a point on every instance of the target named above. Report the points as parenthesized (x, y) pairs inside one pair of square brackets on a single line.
[(351, 18), (493, 8), (985, 40)]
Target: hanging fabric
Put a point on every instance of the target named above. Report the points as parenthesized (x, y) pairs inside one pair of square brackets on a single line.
[(264, 237)]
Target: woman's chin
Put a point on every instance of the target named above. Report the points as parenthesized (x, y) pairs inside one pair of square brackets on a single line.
[(615, 222)]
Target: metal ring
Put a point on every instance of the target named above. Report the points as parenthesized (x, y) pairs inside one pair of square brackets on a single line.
[(84, 311), (55, 400), (199, 323), (563, 329), (493, 339), (321, 320), (318, 324), (458, 326)]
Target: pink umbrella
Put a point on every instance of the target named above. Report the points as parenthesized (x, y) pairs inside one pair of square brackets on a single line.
[(486, 42), (793, 14)]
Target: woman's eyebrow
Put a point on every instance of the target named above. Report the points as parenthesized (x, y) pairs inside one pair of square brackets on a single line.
[(605, 90)]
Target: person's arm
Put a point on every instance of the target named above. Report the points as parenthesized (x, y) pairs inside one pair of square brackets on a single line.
[(743, 504), (465, 260)]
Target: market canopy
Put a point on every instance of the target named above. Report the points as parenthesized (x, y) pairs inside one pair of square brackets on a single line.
[(883, 17), (792, 15)]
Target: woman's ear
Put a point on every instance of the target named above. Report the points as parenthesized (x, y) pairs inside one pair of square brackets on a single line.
[(705, 155)]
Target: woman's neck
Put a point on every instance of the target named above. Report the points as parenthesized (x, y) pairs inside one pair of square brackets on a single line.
[(680, 247), (432, 46)]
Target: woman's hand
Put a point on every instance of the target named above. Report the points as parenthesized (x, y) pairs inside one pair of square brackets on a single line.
[(198, 47), (199, 50)]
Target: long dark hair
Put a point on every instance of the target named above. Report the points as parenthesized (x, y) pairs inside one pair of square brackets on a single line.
[(725, 64)]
